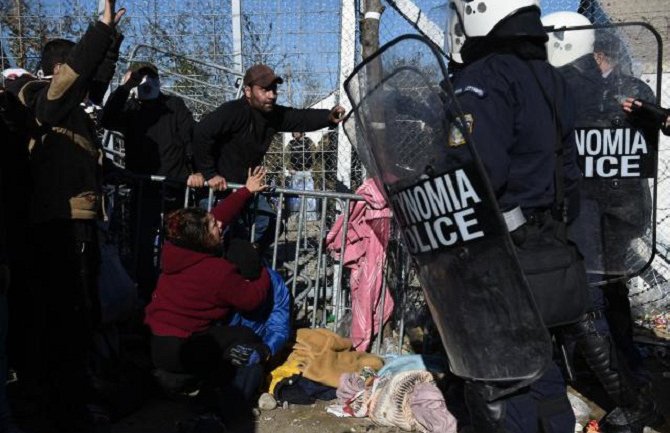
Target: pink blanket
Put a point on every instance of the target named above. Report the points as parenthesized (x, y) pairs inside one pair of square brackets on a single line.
[(365, 253)]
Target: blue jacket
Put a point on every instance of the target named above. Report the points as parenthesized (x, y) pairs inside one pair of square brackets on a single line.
[(271, 321)]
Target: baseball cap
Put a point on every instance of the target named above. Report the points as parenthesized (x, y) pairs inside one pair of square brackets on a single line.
[(144, 66), (261, 75)]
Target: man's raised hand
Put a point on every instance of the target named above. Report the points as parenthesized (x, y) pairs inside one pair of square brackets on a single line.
[(111, 16), (132, 79)]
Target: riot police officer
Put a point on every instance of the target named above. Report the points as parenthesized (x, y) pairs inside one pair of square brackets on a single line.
[(513, 100), (610, 214)]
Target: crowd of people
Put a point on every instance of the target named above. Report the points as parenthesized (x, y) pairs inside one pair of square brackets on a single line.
[(50, 244), (215, 314)]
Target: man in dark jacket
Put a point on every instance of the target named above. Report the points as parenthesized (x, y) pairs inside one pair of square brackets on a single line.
[(66, 171), (157, 130), (236, 136)]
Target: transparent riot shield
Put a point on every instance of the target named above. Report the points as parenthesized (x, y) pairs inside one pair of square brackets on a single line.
[(617, 151), (415, 142)]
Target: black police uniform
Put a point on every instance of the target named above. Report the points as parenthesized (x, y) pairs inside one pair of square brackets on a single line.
[(598, 105), (514, 132)]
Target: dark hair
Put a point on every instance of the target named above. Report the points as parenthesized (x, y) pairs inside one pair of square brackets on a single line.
[(187, 228), (610, 44), (245, 256), (55, 51)]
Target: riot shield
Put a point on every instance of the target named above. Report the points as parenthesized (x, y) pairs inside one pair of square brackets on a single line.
[(617, 152), (416, 145)]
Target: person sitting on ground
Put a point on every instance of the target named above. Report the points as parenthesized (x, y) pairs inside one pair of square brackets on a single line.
[(197, 288)]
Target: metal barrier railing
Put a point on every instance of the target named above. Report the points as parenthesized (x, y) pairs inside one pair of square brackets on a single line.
[(316, 280)]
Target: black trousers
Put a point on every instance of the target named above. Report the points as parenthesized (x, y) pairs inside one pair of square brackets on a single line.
[(226, 390), (65, 265), (203, 355)]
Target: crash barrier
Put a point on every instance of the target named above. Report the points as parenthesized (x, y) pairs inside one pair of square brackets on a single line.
[(317, 281)]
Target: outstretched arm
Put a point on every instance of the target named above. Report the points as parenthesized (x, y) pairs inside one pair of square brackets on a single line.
[(230, 207)]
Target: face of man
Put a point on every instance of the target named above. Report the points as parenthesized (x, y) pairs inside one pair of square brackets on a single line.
[(261, 98)]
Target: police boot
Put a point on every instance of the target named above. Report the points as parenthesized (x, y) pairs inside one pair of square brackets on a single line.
[(634, 417), (635, 408)]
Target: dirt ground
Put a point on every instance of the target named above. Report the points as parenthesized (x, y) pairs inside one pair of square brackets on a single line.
[(161, 416)]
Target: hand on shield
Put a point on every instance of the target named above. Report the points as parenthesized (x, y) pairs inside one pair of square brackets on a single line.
[(336, 114)]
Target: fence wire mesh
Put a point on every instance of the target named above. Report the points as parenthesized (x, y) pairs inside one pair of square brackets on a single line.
[(201, 47)]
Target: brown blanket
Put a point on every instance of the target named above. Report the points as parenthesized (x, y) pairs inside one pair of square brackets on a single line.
[(324, 356)]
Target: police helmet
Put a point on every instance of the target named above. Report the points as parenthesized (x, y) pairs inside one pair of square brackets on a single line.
[(455, 37), (479, 17), (564, 47)]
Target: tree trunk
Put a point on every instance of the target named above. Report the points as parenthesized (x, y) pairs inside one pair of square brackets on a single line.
[(370, 27)]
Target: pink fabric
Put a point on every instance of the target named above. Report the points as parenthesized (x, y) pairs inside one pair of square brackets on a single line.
[(430, 409), (365, 253)]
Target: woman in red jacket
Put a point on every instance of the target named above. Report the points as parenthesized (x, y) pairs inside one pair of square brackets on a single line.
[(198, 287)]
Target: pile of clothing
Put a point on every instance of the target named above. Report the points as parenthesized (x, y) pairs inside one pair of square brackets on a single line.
[(313, 369), (403, 394)]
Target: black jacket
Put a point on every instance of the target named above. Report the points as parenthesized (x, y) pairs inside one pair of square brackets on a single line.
[(513, 128), (65, 157), (157, 133), (235, 137)]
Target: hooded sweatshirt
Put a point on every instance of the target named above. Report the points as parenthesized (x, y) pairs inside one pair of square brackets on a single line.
[(196, 288)]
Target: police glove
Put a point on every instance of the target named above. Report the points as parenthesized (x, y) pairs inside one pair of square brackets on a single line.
[(652, 111)]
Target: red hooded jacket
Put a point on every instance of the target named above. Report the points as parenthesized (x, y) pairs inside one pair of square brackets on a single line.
[(197, 288)]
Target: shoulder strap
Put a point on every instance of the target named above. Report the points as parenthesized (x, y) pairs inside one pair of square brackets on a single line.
[(559, 211)]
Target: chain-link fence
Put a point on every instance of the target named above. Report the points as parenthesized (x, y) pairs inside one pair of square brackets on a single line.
[(202, 47)]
